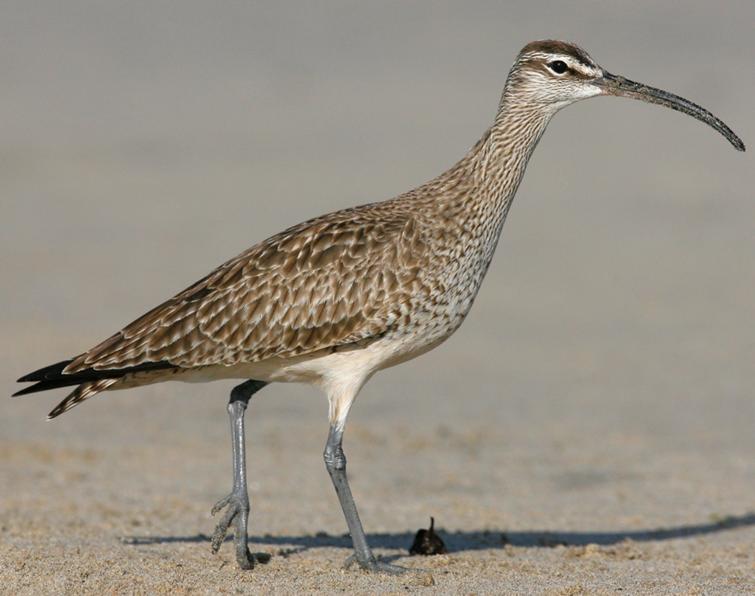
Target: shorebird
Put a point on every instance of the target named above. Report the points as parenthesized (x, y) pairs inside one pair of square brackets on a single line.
[(335, 299)]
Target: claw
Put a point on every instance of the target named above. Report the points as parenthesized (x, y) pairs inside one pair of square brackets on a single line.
[(220, 504), (218, 536), (374, 566), (380, 567), (238, 511)]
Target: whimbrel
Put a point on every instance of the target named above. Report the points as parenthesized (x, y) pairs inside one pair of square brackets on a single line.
[(335, 299)]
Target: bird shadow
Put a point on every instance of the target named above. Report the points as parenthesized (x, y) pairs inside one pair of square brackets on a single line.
[(459, 541)]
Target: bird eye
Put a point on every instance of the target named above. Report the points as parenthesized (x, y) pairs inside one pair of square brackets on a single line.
[(558, 66)]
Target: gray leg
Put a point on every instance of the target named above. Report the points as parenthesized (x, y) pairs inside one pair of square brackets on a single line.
[(238, 501), (335, 462)]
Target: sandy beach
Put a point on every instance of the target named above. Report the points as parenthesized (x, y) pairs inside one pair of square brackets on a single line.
[(589, 430)]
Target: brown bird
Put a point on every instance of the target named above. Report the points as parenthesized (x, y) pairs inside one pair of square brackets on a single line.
[(335, 299)]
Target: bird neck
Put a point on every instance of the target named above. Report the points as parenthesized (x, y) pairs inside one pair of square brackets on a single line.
[(467, 205), (500, 159), (487, 178), (475, 194)]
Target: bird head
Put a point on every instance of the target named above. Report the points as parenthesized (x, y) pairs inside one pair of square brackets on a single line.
[(550, 75)]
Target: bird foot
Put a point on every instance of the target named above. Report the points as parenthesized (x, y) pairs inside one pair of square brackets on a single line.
[(374, 566), (237, 512)]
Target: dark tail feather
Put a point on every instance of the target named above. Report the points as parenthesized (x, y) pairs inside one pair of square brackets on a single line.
[(48, 373), (45, 385), (52, 377), (90, 381), (78, 395)]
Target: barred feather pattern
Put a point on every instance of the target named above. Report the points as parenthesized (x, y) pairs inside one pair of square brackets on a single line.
[(78, 395), (352, 276)]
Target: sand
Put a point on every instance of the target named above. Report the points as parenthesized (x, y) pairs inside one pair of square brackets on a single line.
[(589, 429)]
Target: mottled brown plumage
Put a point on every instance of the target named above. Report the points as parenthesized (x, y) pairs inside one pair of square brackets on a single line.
[(410, 266), (331, 281), (354, 276), (335, 299)]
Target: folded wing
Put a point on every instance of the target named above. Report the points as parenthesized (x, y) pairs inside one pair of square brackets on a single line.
[(328, 282)]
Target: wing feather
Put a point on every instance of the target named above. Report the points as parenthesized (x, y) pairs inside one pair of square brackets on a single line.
[(334, 280)]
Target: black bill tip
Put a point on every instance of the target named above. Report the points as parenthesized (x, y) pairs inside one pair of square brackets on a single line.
[(623, 87)]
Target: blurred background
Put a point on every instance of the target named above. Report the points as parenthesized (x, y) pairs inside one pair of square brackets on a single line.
[(604, 380)]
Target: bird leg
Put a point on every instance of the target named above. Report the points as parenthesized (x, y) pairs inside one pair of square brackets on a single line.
[(335, 462), (237, 502)]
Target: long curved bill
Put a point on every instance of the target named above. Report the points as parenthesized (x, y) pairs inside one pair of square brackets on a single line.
[(617, 85)]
